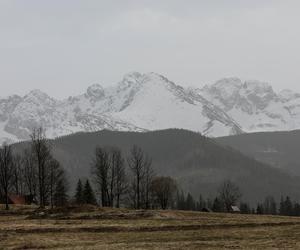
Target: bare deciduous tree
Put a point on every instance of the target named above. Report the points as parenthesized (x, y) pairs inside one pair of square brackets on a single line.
[(30, 173), (17, 180), (120, 182), (109, 175), (56, 176), (100, 171), (146, 183), (229, 194), (6, 171), (140, 166), (163, 190), (41, 153)]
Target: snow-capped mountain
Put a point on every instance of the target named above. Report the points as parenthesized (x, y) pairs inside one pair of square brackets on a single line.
[(254, 105), (142, 102)]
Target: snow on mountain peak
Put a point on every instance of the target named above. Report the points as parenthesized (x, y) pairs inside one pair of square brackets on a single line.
[(37, 93), (224, 91), (132, 77), (287, 95), (95, 91), (228, 82), (38, 97), (227, 87), (150, 101), (258, 87)]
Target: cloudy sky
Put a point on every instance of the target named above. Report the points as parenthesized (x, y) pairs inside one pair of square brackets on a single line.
[(62, 46)]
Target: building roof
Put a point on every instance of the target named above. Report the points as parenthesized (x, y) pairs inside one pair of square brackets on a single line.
[(17, 199), (235, 209)]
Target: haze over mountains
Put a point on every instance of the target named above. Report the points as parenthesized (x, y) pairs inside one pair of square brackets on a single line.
[(141, 102)]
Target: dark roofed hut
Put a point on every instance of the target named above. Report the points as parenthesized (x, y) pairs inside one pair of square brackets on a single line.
[(207, 210), (17, 199), (14, 199)]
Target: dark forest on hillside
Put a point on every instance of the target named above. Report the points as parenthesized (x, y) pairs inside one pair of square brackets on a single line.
[(198, 164)]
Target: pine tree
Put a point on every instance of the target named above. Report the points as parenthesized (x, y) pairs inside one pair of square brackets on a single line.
[(282, 210), (88, 194), (218, 205), (288, 206), (296, 209), (190, 202), (245, 208), (259, 209), (60, 195), (201, 203), (79, 196), (269, 205), (181, 201)]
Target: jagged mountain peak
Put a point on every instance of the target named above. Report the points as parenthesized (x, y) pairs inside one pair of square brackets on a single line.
[(38, 97), (150, 101), (228, 81), (132, 78), (140, 78), (225, 88), (258, 87), (37, 94), (95, 91), (288, 95), (232, 91)]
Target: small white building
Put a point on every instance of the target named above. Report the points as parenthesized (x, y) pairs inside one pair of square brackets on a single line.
[(235, 209)]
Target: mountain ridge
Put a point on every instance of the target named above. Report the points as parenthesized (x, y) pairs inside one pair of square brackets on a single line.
[(143, 102)]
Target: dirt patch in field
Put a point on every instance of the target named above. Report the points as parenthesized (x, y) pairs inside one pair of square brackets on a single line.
[(116, 229), (91, 213)]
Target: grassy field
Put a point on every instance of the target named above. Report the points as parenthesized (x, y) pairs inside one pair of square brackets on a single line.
[(96, 228)]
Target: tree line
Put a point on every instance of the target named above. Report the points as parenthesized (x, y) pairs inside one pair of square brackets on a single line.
[(269, 206), (34, 174), (126, 181), (116, 180)]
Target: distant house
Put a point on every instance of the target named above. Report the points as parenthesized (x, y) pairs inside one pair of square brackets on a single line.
[(206, 209), (18, 199), (235, 209)]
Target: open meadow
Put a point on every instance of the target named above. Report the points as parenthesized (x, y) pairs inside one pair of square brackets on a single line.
[(98, 228)]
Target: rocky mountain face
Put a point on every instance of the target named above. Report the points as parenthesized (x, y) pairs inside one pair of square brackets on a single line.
[(254, 105), (142, 102)]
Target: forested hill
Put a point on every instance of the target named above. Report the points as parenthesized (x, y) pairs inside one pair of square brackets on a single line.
[(279, 149), (198, 163)]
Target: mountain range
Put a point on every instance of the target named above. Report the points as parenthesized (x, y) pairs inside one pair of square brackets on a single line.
[(145, 102)]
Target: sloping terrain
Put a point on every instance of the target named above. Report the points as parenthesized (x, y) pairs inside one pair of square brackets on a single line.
[(278, 149), (198, 163)]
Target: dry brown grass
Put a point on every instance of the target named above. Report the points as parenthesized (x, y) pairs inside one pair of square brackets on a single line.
[(94, 228)]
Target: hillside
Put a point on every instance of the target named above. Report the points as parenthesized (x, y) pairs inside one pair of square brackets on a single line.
[(279, 149), (198, 163)]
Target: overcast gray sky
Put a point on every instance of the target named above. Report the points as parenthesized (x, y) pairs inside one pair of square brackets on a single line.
[(61, 46)]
